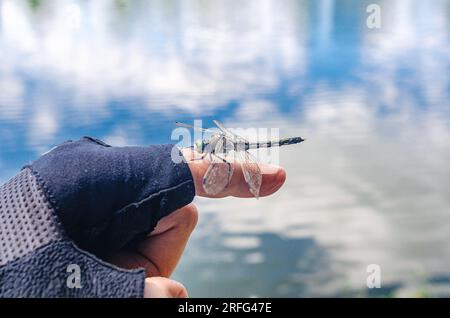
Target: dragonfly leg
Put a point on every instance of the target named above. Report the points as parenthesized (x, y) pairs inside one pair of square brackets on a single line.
[(210, 157), (199, 158), (194, 157), (220, 158)]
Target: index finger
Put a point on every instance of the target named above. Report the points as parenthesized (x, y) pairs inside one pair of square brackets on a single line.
[(273, 177)]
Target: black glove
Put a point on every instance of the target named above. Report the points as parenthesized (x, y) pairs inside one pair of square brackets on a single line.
[(99, 197)]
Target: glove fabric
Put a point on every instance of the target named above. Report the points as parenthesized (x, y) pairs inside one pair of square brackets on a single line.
[(77, 203)]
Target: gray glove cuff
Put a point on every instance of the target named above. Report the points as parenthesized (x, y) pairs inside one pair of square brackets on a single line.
[(37, 259)]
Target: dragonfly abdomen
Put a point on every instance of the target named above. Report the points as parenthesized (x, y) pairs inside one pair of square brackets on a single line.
[(276, 143), (242, 146), (291, 141)]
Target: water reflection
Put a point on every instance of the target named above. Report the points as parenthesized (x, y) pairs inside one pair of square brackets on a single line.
[(263, 264), (372, 183)]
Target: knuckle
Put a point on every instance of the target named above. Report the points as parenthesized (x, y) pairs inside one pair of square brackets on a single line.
[(190, 215)]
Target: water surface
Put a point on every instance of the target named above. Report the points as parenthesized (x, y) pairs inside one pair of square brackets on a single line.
[(370, 185)]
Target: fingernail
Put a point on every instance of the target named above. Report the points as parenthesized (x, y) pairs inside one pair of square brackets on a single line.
[(270, 169)]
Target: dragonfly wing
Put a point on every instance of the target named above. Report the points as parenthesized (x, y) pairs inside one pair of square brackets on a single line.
[(221, 127), (235, 137), (252, 172), (219, 172), (195, 127)]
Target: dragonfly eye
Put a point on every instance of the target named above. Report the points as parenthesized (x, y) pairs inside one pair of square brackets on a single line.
[(198, 145)]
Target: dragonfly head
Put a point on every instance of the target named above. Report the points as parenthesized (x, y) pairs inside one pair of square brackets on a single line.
[(199, 145)]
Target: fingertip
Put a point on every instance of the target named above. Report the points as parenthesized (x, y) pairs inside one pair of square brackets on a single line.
[(274, 181), (183, 293), (280, 178), (178, 290)]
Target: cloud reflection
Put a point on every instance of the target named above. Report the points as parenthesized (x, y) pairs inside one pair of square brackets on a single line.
[(371, 184)]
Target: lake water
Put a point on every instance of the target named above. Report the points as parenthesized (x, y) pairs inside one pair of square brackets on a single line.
[(371, 185)]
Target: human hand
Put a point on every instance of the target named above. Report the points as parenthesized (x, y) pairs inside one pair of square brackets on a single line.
[(172, 232), (161, 287), (273, 178), (88, 200)]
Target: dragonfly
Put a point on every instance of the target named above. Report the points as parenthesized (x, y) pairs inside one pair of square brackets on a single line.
[(218, 148)]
